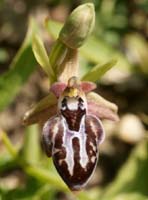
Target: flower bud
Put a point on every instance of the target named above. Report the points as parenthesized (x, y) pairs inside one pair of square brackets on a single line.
[(78, 26)]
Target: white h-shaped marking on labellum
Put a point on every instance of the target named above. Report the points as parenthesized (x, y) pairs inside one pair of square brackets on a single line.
[(73, 121), (67, 143)]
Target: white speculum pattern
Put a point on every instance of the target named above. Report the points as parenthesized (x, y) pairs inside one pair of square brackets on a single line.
[(67, 143), (72, 104)]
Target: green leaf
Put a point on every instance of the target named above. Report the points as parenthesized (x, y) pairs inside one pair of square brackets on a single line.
[(45, 192), (53, 27), (57, 54), (95, 49), (3, 55), (91, 194), (31, 148), (7, 162), (59, 49), (41, 55), (98, 71), (46, 176), (131, 196), (21, 68), (32, 190), (41, 111), (132, 178), (9, 146)]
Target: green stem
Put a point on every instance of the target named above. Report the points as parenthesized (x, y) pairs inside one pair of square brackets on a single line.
[(45, 176), (9, 146), (57, 54), (44, 189)]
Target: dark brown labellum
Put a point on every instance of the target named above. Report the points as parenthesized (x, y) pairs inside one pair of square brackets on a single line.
[(75, 154), (72, 138)]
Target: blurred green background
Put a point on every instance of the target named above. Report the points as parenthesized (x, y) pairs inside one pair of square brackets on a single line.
[(121, 32)]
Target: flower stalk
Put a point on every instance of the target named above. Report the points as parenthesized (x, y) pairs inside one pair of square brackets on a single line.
[(69, 67), (10, 147)]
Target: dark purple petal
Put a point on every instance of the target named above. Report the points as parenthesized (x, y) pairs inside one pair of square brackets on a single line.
[(50, 129), (94, 128), (74, 153)]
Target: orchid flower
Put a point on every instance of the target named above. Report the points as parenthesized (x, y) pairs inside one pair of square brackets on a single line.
[(71, 113)]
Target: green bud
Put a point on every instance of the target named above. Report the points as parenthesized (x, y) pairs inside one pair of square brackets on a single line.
[(78, 26)]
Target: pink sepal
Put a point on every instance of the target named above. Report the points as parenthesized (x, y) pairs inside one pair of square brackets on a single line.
[(58, 88), (102, 112), (87, 86)]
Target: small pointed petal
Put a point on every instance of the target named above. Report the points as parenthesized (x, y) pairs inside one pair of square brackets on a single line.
[(58, 88), (102, 108), (87, 86), (41, 112)]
